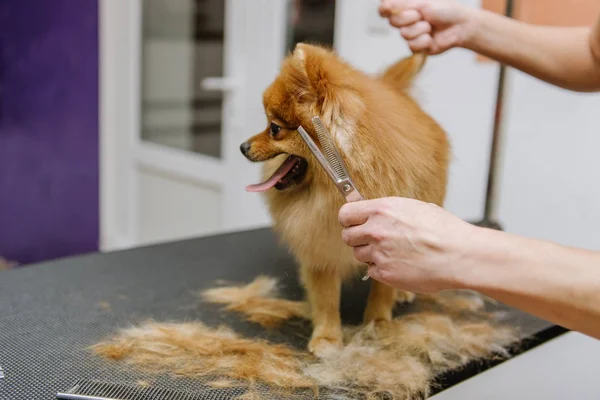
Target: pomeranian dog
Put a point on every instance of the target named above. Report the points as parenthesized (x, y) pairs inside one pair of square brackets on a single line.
[(390, 146)]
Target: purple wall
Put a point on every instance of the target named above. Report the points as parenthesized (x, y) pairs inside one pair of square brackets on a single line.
[(48, 128)]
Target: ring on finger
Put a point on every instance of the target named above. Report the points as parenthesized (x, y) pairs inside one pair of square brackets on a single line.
[(369, 264)]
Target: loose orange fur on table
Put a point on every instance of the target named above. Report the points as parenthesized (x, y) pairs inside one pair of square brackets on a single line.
[(390, 145), (194, 350), (256, 300), (401, 357)]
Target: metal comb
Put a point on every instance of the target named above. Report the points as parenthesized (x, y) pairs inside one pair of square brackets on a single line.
[(96, 390)]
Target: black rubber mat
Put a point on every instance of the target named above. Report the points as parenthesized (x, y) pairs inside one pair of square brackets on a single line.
[(51, 313)]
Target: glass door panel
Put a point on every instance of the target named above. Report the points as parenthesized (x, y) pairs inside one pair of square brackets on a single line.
[(311, 21), (183, 45)]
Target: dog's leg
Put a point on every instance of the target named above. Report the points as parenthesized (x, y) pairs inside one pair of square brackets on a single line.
[(380, 303), (323, 288), (404, 296)]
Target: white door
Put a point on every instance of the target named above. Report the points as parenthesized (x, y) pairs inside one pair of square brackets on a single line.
[(182, 84)]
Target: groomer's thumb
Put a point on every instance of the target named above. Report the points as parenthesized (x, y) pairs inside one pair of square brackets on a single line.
[(355, 213)]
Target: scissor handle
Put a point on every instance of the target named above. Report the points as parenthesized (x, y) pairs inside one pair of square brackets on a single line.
[(348, 190)]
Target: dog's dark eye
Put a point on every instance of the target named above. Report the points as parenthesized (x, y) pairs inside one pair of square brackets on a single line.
[(275, 129)]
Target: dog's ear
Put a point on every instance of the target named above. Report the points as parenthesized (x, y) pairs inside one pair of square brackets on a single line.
[(325, 77), (299, 54), (315, 63), (329, 88), (297, 82)]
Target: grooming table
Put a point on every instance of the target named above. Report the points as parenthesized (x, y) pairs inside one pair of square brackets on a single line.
[(51, 312)]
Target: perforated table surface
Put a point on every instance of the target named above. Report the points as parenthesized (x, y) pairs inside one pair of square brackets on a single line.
[(50, 313)]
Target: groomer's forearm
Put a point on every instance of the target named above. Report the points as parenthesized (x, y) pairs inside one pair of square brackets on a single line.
[(556, 283), (566, 57)]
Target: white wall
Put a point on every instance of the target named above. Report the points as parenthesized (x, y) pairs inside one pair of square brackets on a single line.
[(173, 207), (551, 178), (551, 174)]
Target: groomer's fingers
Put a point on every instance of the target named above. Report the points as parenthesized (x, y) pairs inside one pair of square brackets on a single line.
[(355, 236), (420, 43), (405, 18), (415, 30), (356, 213), (388, 8), (364, 254)]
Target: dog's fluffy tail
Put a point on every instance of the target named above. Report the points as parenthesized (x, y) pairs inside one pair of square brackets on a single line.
[(401, 74)]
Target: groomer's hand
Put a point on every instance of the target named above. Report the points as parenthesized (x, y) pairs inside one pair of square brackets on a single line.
[(411, 245), (432, 26)]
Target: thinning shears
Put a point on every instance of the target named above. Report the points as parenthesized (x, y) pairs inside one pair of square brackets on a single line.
[(332, 162)]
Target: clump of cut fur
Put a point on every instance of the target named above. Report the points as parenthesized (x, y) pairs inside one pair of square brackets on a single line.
[(262, 286), (196, 351), (249, 395), (400, 358), (454, 302), (257, 301)]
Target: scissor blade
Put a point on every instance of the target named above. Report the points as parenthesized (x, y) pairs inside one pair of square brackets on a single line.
[(318, 155), (331, 152)]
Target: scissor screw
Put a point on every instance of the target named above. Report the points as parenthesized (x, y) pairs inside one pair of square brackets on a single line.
[(347, 188)]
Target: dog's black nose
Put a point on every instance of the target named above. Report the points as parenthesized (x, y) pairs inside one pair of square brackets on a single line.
[(245, 148)]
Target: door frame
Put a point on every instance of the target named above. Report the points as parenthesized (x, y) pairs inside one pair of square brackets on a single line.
[(119, 111), (122, 151)]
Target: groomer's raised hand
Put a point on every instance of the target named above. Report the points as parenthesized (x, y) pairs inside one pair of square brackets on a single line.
[(411, 245), (431, 26)]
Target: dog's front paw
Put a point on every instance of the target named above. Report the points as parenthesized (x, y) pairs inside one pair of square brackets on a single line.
[(376, 315), (403, 297), (324, 346)]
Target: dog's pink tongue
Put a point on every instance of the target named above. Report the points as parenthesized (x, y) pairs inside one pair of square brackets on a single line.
[(272, 181)]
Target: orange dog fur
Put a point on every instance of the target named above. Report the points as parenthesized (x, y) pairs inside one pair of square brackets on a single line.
[(390, 146)]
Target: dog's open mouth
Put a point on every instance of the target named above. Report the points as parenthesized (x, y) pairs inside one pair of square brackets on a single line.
[(289, 173)]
